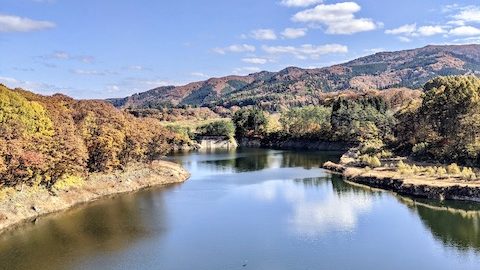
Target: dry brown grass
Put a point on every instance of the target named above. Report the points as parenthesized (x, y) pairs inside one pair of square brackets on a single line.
[(30, 202)]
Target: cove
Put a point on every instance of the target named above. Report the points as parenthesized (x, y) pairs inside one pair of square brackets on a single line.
[(252, 209)]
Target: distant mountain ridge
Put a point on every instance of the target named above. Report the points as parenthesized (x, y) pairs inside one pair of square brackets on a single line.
[(295, 86)]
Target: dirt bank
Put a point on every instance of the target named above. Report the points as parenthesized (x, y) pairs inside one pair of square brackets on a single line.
[(16, 207), (424, 186)]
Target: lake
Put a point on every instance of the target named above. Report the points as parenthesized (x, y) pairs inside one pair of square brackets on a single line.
[(252, 209)]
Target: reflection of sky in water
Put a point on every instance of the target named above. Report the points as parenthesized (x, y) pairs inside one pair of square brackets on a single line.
[(267, 209), (316, 212)]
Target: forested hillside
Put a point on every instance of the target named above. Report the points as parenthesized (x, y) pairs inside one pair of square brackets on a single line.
[(295, 86), (47, 139)]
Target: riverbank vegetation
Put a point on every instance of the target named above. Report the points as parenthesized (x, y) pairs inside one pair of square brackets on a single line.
[(440, 124), (48, 140), (44, 140)]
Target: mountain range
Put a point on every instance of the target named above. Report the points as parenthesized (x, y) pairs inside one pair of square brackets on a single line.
[(297, 86)]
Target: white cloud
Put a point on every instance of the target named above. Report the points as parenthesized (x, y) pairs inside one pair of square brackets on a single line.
[(255, 60), (292, 33), (338, 18), (132, 85), (93, 72), (374, 50), (263, 34), (62, 55), (300, 3), (237, 48), (467, 40), (468, 14), (199, 74), (112, 88), (246, 70), (138, 68), (405, 32), (43, 88), (462, 15), (405, 39), (307, 50), (10, 23), (407, 29), (430, 30), (312, 215), (465, 31)]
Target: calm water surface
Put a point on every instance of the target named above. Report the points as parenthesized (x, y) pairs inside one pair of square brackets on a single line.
[(252, 209)]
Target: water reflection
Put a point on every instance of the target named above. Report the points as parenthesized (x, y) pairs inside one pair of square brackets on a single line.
[(317, 205), (258, 159), (57, 241), (454, 224), (276, 209)]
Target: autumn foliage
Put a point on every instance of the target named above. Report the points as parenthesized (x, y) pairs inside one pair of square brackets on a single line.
[(43, 139)]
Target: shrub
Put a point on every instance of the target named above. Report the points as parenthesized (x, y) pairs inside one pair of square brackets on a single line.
[(249, 122), (468, 174), (308, 121), (401, 165), (430, 171), (419, 148), (6, 192), (441, 171), (416, 169), (453, 169), (375, 162), (218, 128), (371, 147), (386, 154), (68, 182), (370, 161)]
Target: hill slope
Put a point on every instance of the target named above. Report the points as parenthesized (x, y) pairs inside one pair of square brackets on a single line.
[(295, 86)]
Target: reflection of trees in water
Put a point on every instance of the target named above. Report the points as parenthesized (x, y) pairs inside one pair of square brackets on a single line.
[(308, 159), (339, 186), (259, 159), (453, 223), (244, 161), (57, 241), (244, 164)]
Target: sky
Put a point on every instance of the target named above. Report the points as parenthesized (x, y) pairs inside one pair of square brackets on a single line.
[(114, 48)]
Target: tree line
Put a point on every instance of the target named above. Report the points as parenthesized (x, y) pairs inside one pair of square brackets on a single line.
[(45, 139), (440, 124)]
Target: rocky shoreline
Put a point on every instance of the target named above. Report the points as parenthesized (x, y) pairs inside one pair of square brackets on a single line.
[(417, 186), (31, 203)]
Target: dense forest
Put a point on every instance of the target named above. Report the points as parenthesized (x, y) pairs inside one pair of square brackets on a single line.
[(44, 140), (442, 123)]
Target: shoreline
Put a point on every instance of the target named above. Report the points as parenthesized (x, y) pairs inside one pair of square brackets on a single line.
[(28, 205), (435, 188)]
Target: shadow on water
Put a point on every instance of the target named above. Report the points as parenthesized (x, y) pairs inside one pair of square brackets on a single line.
[(455, 224), (153, 228), (57, 241), (245, 160)]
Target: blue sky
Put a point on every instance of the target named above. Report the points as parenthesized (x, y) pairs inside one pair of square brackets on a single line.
[(114, 48)]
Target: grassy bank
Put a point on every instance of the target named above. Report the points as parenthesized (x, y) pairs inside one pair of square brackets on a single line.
[(28, 203), (441, 183)]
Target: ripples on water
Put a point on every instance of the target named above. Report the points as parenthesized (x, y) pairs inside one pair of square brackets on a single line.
[(252, 209)]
